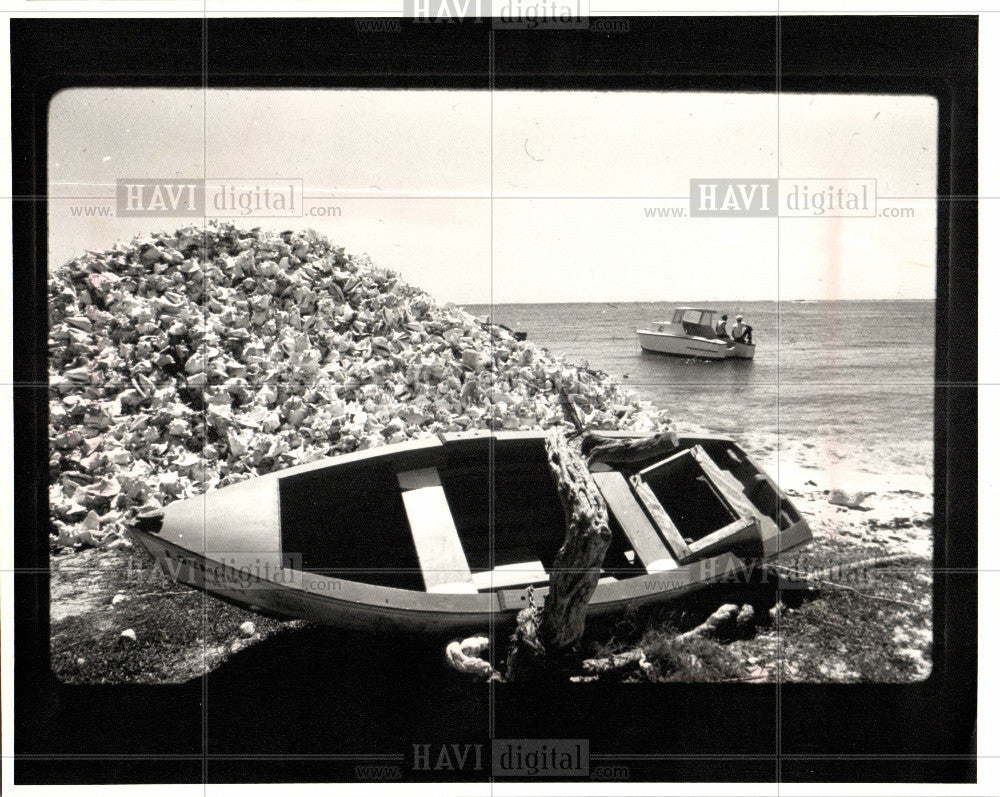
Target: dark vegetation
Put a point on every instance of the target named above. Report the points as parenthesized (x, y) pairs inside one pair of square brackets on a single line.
[(878, 630)]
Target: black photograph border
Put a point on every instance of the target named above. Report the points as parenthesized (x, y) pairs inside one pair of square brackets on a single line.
[(922, 732)]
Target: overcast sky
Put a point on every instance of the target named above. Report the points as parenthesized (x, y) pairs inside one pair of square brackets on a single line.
[(529, 196)]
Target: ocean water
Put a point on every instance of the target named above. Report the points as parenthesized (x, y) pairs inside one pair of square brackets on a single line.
[(845, 388)]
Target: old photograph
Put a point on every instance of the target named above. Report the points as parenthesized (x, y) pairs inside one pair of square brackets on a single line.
[(460, 401), (381, 392)]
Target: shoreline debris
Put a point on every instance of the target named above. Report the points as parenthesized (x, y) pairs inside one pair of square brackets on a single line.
[(849, 500)]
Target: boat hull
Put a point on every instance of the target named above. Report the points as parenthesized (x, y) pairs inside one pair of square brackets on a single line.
[(352, 606), (692, 346), (224, 543)]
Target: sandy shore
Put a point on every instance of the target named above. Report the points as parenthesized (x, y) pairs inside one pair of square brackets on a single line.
[(97, 594), (848, 504)]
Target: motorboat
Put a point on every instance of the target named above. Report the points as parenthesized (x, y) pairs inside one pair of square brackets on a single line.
[(691, 333)]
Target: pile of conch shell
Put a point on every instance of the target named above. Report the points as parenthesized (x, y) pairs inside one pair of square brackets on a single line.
[(187, 361)]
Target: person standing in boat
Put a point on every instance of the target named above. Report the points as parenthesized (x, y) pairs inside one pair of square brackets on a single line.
[(720, 328), (742, 333)]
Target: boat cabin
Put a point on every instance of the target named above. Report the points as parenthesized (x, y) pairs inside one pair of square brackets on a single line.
[(692, 321), (695, 321)]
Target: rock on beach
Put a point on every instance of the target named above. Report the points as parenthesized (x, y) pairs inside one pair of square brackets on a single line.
[(182, 362), (850, 500)]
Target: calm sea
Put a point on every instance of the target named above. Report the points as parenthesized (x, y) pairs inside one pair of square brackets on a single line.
[(832, 382)]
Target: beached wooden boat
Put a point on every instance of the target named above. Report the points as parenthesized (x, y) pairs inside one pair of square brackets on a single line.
[(446, 534), (691, 333)]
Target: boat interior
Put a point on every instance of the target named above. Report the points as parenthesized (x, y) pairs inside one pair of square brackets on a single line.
[(483, 514)]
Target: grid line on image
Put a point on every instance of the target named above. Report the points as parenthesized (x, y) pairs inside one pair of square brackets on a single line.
[(777, 229), (204, 418)]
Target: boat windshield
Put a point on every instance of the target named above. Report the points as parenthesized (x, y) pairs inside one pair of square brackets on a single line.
[(705, 318), (699, 323)]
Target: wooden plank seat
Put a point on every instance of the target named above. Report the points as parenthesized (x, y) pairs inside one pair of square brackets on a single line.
[(443, 563), (678, 546), (518, 574), (626, 511)]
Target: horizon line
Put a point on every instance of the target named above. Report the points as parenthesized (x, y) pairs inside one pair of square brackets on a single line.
[(698, 301)]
